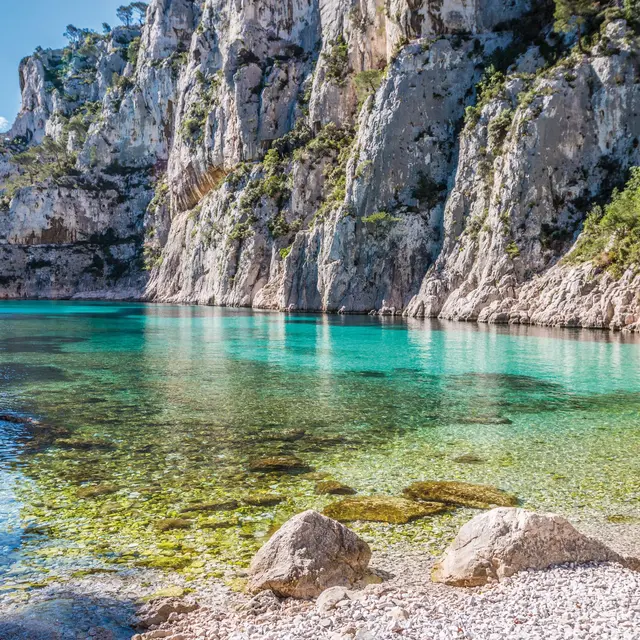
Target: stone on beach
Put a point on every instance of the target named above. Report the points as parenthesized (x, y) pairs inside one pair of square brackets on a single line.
[(381, 509), (307, 555), (497, 544), (465, 494), (158, 611)]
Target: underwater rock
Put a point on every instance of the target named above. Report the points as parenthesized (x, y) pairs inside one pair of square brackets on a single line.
[(469, 458), (14, 419), (480, 496), (83, 443), (307, 555), (334, 488), (219, 524), (484, 420), (381, 509), (263, 499), (207, 507), (290, 435), (618, 518), (279, 464), (167, 563), (167, 524), (97, 490), (501, 542)]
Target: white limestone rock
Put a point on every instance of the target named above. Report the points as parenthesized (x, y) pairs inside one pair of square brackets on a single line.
[(308, 554)]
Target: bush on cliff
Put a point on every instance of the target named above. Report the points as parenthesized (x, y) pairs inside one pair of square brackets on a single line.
[(611, 235)]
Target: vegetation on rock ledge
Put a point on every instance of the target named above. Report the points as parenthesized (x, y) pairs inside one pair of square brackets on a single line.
[(611, 234)]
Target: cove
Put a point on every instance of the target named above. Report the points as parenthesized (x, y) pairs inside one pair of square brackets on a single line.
[(150, 419)]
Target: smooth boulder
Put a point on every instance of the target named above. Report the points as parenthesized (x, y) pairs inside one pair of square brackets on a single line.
[(308, 554), (501, 542)]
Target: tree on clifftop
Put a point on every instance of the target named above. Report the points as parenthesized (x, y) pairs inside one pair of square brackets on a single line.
[(126, 13), (570, 14)]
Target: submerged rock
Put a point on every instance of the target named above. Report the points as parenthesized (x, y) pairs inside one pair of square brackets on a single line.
[(484, 420), (263, 499), (172, 523), (97, 490), (279, 464), (307, 555), (198, 507), (469, 458), (83, 443), (382, 509), (334, 488), (288, 435), (220, 524), (498, 544), (15, 419), (480, 496)]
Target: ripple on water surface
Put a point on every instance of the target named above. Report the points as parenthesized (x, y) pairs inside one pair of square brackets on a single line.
[(180, 437)]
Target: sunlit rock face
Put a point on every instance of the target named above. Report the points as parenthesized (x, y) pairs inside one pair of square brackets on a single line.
[(315, 155)]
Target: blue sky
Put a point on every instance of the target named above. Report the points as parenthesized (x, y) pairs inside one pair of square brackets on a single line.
[(25, 24)]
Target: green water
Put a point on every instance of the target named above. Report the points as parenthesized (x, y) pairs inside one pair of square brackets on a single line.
[(161, 407)]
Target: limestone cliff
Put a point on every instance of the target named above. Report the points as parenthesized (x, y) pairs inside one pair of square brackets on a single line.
[(436, 157)]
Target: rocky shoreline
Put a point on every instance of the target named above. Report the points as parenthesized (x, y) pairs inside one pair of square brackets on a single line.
[(526, 575), (396, 598)]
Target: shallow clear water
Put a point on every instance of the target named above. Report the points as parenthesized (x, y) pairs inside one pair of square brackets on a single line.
[(159, 407)]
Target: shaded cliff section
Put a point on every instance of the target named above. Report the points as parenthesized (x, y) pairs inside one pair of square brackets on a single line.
[(434, 157)]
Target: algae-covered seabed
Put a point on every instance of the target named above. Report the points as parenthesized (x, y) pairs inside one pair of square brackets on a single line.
[(153, 413)]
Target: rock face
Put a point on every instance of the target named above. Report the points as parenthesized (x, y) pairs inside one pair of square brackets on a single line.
[(501, 542), (307, 555), (316, 155)]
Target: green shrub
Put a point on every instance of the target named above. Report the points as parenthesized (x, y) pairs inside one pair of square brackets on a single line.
[(367, 82), (337, 61), (242, 230), (278, 226), (512, 250), (48, 160), (133, 50), (491, 86), (284, 253), (498, 129), (380, 217), (611, 235)]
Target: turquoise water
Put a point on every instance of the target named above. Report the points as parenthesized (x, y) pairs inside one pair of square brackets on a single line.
[(146, 410)]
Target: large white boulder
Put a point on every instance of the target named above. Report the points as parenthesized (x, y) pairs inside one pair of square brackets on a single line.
[(307, 555), (501, 542)]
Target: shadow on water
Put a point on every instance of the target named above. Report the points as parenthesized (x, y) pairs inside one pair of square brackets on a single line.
[(15, 372), (37, 344), (62, 612)]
